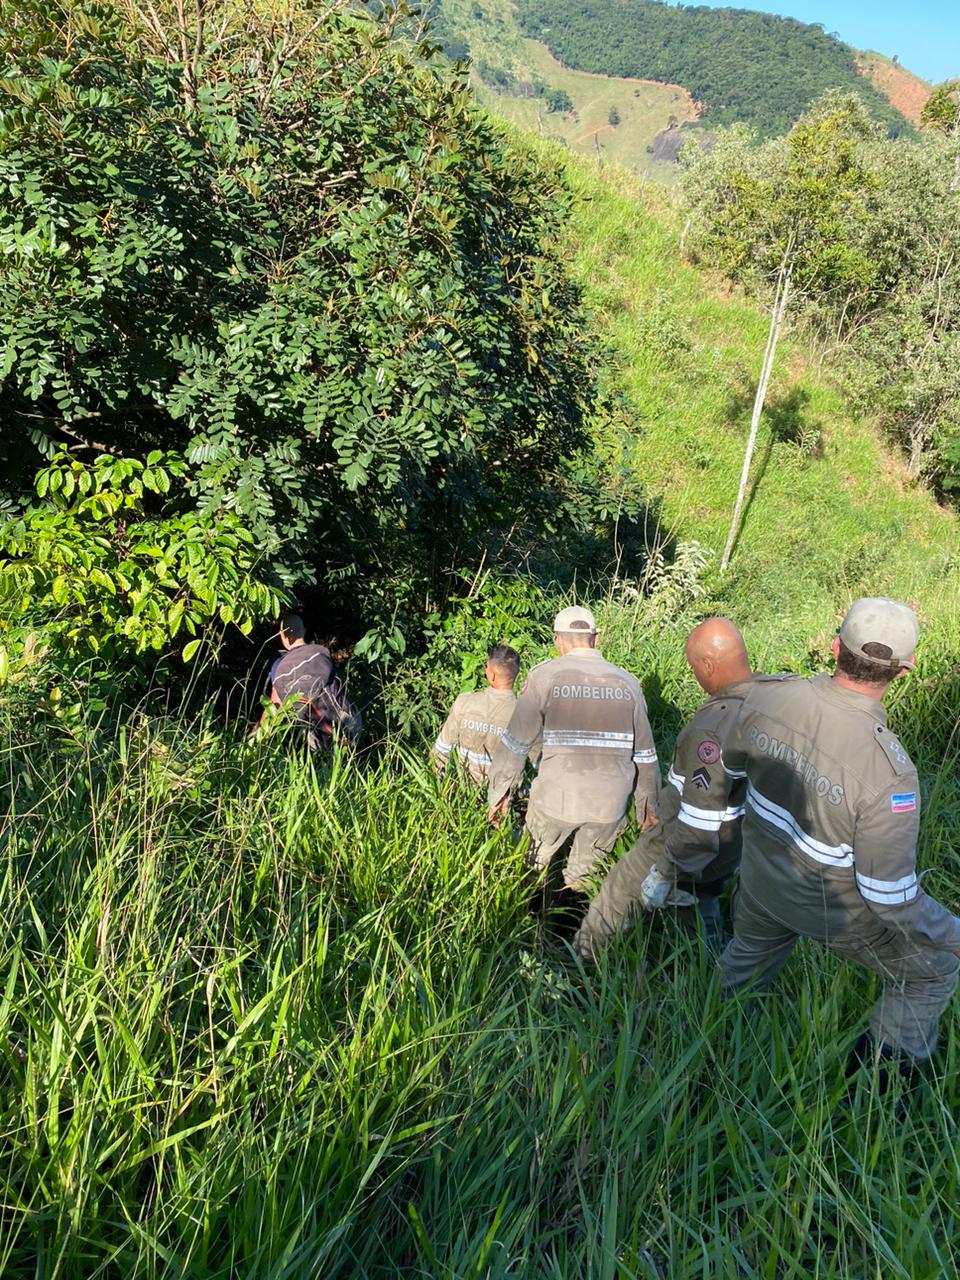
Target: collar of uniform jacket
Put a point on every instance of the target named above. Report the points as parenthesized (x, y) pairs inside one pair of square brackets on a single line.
[(828, 688)]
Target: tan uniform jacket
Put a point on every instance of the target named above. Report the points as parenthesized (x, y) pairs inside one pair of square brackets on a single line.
[(591, 720), (832, 814), (473, 729), (706, 830)]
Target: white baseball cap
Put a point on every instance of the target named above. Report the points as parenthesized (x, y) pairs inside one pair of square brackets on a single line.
[(576, 619), (881, 631)]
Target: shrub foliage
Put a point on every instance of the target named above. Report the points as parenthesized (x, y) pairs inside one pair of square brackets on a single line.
[(296, 257)]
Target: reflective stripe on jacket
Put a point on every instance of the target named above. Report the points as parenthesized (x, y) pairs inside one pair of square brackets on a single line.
[(473, 729), (832, 813)]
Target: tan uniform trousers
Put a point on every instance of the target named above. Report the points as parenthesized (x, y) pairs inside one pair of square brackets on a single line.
[(591, 842), (918, 981)]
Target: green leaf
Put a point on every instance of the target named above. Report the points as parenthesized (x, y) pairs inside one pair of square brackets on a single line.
[(189, 649)]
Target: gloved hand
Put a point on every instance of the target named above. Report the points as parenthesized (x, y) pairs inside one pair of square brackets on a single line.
[(657, 892)]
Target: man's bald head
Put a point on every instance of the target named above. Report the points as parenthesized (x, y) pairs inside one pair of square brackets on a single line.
[(717, 654)]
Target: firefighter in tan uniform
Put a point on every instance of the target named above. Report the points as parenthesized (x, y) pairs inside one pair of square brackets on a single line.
[(696, 843), (590, 719), (476, 723), (830, 833)]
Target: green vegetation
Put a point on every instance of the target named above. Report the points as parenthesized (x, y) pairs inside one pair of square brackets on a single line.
[(306, 265), (264, 1016), (262, 1020), (743, 66), (867, 229), (645, 110), (514, 78), (116, 580)]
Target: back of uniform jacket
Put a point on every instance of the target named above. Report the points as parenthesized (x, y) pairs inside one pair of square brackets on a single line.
[(474, 728), (832, 814), (591, 719)]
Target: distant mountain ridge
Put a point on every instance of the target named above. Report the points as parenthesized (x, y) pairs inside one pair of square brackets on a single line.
[(742, 66)]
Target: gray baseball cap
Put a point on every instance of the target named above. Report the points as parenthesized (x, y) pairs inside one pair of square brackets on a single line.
[(576, 619), (881, 631)]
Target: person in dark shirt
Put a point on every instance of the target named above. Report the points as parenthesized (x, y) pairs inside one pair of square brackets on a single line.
[(306, 675)]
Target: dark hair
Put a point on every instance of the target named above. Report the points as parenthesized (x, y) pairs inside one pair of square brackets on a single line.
[(863, 671), (293, 626), (505, 659)]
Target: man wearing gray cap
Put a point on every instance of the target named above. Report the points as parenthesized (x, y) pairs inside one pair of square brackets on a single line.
[(591, 721), (830, 834)]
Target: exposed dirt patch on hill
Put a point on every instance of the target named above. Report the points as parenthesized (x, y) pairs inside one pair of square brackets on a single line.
[(907, 92)]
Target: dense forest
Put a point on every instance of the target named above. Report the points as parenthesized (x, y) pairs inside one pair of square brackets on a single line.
[(746, 67)]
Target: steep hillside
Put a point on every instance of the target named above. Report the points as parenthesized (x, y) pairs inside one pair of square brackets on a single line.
[(624, 120), (742, 66), (831, 513), (904, 90), (520, 80)]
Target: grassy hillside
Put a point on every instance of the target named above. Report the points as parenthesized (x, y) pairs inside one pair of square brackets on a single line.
[(268, 1018), (644, 108), (740, 65), (511, 75), (832, 512)]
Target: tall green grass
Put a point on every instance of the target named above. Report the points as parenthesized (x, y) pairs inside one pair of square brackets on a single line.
[(263, 1017)]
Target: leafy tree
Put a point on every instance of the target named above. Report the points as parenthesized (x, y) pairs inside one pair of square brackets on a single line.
[(613, 117), (941, 111), (880, 291), (779, 215), (559, 100), (295, 255), (111, 561)]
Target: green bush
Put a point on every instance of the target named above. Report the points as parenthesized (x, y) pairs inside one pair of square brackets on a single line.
[(112, 563), (301, 260)]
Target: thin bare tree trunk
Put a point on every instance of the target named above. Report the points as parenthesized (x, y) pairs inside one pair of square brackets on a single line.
[(777, 313)]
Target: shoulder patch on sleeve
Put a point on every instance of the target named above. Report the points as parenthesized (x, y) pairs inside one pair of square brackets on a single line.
[(903, 802), (708, 751), (900, 762)]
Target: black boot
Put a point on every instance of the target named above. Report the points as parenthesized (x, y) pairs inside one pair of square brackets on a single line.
[(568, 908), (888, 1060)]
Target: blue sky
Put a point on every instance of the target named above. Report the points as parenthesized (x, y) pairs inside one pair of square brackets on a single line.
[(924, 34)]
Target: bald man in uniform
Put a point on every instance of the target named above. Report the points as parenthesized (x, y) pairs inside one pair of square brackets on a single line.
[(697, 841)]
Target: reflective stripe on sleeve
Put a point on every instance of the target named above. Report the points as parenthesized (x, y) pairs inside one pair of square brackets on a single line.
[(645, 757), (839, 855), (515, 745), (708, 819), (476, 757), (731, 773), (443, 747), (676, 779), (888, 892)]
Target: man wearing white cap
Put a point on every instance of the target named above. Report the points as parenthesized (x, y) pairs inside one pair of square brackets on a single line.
[(591, 721), (830, 834)]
